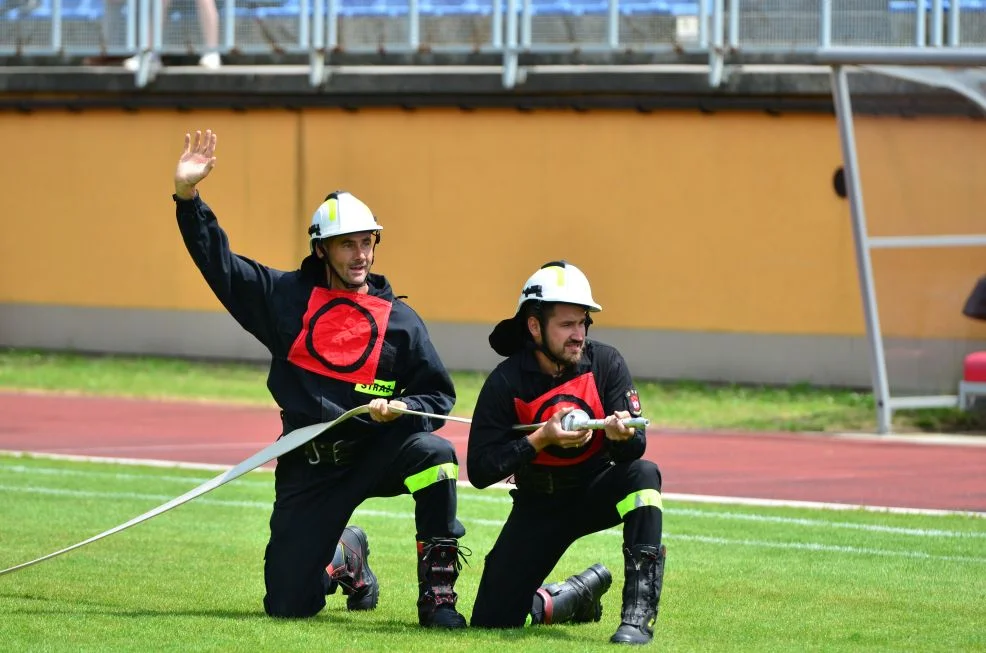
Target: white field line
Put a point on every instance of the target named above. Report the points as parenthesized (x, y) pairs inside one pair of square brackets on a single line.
[(408, 515), (500, 499), (821, 523), (690, 498), (497, 497)]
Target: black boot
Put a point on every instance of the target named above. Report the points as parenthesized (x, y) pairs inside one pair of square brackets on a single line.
[(438, 569), (644, 575), (350, 569), (576, 600)]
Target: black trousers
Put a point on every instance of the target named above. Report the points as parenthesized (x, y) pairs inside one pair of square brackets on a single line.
[(314, 503), (541, 527)]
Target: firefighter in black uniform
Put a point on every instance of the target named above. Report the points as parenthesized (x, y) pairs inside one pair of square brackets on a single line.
[(338, 339), (568, 483)]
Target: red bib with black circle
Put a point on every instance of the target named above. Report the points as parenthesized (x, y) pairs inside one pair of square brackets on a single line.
[(342, 335), (581, 393)]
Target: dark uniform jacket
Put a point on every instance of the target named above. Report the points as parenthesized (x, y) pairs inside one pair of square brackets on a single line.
[(518, 392), (331, 350)]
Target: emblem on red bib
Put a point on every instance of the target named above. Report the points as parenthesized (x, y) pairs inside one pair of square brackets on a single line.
[(341, 335), (580, 392)]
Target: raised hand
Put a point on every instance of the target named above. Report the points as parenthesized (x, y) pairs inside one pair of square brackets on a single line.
[(195, 163)]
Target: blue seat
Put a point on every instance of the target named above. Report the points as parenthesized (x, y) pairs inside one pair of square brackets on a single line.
[(453, 8), (912, 5), (585, 7), (289, 8), (687, 7), (392, 8), (42, 10), (357, 7), (372, 8), (651, 8)]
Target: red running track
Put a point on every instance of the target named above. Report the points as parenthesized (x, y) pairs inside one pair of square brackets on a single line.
[(793, 467)]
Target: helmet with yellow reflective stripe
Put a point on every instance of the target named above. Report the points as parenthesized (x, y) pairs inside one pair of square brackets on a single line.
[(342, 213), (554, 282), (559, 281)]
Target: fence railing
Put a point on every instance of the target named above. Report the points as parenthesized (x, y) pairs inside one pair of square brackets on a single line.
[(724, 31)]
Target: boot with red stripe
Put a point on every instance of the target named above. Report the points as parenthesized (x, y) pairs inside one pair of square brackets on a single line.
[(438, 569), (578, 599), (350, 570)]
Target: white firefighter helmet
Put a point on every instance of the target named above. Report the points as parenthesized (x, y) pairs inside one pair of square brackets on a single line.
[(342, 213), (559, 281)]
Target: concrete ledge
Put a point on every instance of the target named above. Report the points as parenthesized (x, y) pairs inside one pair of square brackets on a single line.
[(470, 82)]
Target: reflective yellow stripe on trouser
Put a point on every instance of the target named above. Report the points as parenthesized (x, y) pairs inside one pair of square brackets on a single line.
[(432, 475), (639, 499)]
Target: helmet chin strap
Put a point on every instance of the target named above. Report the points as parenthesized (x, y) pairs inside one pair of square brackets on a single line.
[(560, 363)]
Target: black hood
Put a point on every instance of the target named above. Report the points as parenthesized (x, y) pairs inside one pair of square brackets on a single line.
[(510, 336)]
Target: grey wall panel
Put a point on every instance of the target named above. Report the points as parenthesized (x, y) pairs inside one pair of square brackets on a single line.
[(915, 366), (125, 331)]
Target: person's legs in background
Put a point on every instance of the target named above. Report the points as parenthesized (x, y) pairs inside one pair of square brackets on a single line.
[(208, 17), (209, 24)]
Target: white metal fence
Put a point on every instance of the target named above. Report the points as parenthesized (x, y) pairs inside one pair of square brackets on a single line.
[(724, 30)]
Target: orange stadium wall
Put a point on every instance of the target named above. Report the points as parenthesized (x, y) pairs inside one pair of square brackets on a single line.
[(715, 243)]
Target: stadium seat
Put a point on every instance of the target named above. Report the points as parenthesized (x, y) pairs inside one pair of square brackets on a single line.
[(93, 9), (357, 7), (911, 5), (72, 10), (973, 381), (652, 8), (686, 7), (439, 8)]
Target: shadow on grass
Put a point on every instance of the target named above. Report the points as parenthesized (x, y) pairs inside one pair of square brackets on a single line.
[(375, 622)]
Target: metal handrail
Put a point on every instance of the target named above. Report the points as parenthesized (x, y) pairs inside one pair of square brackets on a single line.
[(719, 37)]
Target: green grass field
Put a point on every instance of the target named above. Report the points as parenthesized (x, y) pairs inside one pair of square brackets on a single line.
[(739, 578)]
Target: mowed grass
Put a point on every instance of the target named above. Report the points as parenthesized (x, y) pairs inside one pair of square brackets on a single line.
[(682, 404), (738, 578)]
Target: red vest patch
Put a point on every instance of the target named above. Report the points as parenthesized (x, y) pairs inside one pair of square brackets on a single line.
[(342, 335), (580, 392)]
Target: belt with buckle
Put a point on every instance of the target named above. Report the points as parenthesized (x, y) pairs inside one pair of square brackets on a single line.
[(337, 452)]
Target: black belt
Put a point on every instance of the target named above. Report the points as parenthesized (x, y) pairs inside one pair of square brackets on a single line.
[(333, 452), (338, 452), (549, 482)]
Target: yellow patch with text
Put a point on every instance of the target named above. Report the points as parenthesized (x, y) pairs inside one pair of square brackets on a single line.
[(377, 388)]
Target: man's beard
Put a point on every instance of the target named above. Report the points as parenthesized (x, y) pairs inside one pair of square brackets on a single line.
[(568, 359)]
